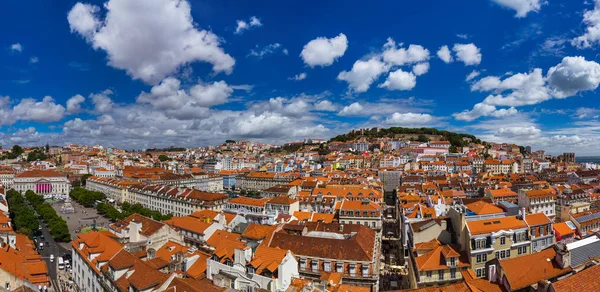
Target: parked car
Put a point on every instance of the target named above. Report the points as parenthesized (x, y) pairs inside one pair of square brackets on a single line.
[(51, 258), (61, 263)]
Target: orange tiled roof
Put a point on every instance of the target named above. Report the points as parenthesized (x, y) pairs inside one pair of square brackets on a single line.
[(483, 208), (586, 280), (537, 219), (495, 225), (523, 271), (563, 229)]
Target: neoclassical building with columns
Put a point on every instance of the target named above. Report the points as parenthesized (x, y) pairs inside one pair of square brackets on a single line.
[(43, 182)]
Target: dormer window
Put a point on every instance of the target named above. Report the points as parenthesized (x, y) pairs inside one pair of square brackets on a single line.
[(452, 262)]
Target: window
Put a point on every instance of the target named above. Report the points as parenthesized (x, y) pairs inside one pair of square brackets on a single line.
[(453, 262), (327, 267), (428, 274), (502, 240), (452, 273), (339, 267), (441, 274), (478, 258)]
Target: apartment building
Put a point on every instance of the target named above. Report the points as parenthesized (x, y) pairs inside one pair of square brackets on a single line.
[(367, 213), (140, 233), (114, 189), (7, 177), (349, 249), (21, 267), (499, 238), (253, 209), (586, 222), (438, 264), (258, 181), (538, 201), (540, 230), (175, 200), (90, 253), (282, 205)]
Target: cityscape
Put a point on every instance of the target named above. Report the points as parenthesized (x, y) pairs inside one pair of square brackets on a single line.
[(299, 146)]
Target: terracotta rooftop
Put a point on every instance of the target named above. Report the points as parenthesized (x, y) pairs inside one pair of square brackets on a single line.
[(586, 280), (526, 270), (494, 225)]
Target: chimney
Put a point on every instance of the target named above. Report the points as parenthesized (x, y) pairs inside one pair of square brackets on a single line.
[(563, 256), (523, 213)]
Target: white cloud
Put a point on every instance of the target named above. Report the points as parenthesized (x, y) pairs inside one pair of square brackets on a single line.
[(462, 36), (472, 75), (298, 77), (323, 51), (74, 104), (526, 89), (421, 68), (591, 37), (16, 47), (102, 101), (243, 25), (326, 106), (483, 110), (385, 107), (400, 80), (45, 111), (363, 74), (33, 60), (148, 39), (572, 75), (444, 54), (522, 7), (267, 50), (399, 56), (83, 20), (353, 109), (181, 104), (587, 113), (467, 53), (409, 119), (517, 131)]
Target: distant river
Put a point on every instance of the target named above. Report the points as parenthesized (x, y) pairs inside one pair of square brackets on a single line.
[(595, 159)]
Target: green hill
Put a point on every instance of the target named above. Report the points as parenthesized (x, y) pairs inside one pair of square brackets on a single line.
[(417, 134)]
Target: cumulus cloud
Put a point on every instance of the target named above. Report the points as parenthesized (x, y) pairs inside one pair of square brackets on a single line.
[(525, 89), (326, 106), (572, 75), (74, 104), (323, 51), (102, 101), (444, 54), (298, 77), (400, 80), (267, 50), (45, 111), (148, 39), (363, 74), (16, 47), (522, 7), (398, 56), (243, 25), (591, 37), (521, 132), (186, 104), (467, 53), (421, 68), (352, 110), (384, 107), (484, 110), (409, 119)]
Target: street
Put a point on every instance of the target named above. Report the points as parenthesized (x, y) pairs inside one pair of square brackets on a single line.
[(51, 247), (82, 217)]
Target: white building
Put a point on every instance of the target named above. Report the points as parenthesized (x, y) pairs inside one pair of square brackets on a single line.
[(538, 201), (43, 182)]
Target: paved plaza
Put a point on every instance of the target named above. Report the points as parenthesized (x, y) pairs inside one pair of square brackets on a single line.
[(82, 217)]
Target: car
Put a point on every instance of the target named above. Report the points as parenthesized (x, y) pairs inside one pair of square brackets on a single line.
[(51, 258), (40, 227), (41, 247), (61, 263)]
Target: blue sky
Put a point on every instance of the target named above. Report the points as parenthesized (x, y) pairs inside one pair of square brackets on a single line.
[(139, 74)]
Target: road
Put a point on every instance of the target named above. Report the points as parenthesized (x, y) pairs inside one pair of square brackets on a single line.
[(51, 247)]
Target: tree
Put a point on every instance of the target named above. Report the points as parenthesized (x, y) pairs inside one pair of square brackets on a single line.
[(422, 138), (84, 178), (229, 141), (15, 152), (163, 158), (453, 149), (47, 148)]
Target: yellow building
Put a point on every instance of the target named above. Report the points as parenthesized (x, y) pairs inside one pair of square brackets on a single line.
[(500, 238)]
